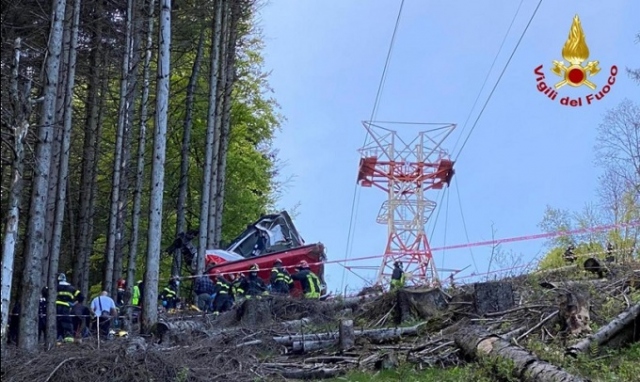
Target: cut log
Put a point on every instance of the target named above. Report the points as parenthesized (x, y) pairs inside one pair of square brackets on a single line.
[(607, 332), (379, 335), (310, 345), (347, 335), (495, 296), (528, 367), (372, 334), (312, 373)]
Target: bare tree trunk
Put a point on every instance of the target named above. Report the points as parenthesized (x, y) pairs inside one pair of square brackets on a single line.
[(57, 142), (132, 95), (150, 310), (104, 83), (230, 79), (186, 142), (21, 107), (205, 207), (85, 218), (71, 244), (142, 143), (63, 172), (32, 275), (107, 282)]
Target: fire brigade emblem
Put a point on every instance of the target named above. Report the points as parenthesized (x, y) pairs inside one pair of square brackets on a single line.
[(576, 52)]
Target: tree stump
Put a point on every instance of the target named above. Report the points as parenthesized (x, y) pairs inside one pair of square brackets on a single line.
[(491, 297), (574, 313), (254, 313), (423, 303), (347, 335)]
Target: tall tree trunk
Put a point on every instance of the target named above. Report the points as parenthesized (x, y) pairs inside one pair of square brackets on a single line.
[(142, 143), (222, 79), (230, 79), (32, 274), (150, 310), (107, 281), (184, 160), (63, 172), (125, 173), (104, 84), (20, 101), (205, 207), (57, 142), (85, 218)]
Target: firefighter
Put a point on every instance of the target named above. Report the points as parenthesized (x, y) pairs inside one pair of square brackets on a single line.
[(309, 281), (122, 286), (281, 281), (569, 256), (223, 292), (67, 296), (136, 299), (168, 296), (398, 276), (610, 249), (42, 313), (252, 285)]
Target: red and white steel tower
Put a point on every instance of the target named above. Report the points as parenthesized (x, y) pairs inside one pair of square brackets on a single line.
[(405, 171)]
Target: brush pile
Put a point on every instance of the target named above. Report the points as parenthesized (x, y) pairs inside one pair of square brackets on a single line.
[(573, 309)]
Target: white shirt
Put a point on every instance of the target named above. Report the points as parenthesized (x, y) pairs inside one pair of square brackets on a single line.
[(102, 304)]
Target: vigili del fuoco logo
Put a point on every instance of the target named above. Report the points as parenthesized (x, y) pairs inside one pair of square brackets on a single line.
[(575, 52)]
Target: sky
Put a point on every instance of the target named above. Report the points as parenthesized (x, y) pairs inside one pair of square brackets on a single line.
[(526, 151)]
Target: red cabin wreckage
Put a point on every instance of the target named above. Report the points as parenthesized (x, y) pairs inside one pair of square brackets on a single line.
[(269, 238)]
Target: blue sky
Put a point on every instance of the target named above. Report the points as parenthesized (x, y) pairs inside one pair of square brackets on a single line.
[(526, 151)]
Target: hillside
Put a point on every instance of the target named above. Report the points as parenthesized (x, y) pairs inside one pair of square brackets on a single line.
[(566, 324)]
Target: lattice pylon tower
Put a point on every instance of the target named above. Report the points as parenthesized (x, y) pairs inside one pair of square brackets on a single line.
[(406, 170)]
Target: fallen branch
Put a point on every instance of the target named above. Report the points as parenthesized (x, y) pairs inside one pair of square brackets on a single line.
[(607, 332), (528, 367), (58, 367), (542, 322)]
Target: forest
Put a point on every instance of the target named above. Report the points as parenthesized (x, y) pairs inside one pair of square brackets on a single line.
[(125, 123)]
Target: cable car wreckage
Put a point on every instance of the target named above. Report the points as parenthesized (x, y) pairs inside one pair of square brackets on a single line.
[(269, 238)]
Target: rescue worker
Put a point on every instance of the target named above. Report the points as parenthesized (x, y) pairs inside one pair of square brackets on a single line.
[(136, 299), (610, 249), (122, 287), (309, 281), (252, 285), (169, 294), (67, 296), (398, 276), (223, 291), (281, 281), (42, 313), (569, 256), (81, 318), (203, 288)]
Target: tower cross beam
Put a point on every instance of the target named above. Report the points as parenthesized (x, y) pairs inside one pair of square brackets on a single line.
[(406, 170)]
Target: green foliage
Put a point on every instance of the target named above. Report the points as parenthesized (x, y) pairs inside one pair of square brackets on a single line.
[(408, 374)]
